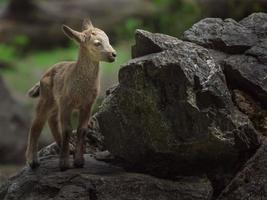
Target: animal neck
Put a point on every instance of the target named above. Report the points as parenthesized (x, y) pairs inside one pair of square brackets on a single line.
[(85, 63)]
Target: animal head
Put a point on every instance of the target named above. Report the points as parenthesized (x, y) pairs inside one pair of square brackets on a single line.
[(94, 40)]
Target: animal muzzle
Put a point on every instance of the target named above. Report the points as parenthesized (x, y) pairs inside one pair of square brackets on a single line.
[(112, 56)]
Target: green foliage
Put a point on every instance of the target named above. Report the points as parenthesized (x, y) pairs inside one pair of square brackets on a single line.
[(7, 53), (174, 16), (127, 29), (239, 9), (3, 2), (20, 40)]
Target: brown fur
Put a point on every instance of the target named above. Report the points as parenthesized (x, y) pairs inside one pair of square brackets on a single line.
[(69, 86)]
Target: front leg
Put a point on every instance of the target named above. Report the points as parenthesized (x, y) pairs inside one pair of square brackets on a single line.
[(84, 117), (65, 122)]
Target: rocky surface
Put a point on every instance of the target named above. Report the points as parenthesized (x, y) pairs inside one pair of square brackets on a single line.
[(173, 106), (251, 181), (244, 72), (14, 122), (192, 111), (99, 181), (226, 35)]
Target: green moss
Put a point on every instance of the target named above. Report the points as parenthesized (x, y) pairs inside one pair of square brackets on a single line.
[(141, 103)]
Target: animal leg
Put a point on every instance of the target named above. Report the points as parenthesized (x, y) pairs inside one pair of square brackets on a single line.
[(84, 117), (53, 123), (34, 134), (65, 121)]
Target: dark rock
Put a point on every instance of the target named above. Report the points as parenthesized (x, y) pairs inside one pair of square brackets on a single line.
[(14, 121), (226, 35), (172, 111), (259, 51), (218, 57), (257, 22), (100, 181), (246, 73), (147, 43), (251, 181)]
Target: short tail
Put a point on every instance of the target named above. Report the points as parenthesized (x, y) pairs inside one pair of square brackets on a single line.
[(34, 92)]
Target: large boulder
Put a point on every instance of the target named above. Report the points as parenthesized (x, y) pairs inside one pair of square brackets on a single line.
[(172, 111), (14, 122), (101, 181), (247, 73), (247, 69), (226, 35), (257, 22)]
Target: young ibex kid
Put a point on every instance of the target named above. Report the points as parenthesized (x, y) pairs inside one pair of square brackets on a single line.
[(66, 87)]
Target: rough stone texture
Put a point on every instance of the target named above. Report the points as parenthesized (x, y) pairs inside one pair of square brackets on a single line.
[(152, 43), (259, 51), (188, 117), (226, 35), (100, 181), (257, 22), (251, 181), (14, 122), (247, 73)]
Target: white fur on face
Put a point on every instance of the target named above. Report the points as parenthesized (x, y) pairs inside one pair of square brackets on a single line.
[(99, 46)]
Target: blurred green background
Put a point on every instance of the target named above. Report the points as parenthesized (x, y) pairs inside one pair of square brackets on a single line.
[(31, 39)]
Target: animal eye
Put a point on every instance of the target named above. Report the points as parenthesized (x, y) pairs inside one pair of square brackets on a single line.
[(97, 43)]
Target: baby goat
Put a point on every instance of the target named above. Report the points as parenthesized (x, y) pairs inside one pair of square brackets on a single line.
[(69, 86)]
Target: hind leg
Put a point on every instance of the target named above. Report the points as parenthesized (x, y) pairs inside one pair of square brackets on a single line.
[(34, 134), (53, 122)]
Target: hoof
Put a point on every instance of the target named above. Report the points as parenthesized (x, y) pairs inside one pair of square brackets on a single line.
[(79, 163), (34, 164)]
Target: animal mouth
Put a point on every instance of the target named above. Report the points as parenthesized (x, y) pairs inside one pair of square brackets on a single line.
[(111, 59)]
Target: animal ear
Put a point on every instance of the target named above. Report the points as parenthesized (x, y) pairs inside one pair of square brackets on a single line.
[(87, 24), (72, 34)]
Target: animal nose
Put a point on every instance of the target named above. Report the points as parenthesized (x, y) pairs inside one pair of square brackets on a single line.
[(114, 54)]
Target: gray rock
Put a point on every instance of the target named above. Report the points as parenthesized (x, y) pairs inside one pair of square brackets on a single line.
[(251, 181), (259, 51), (172, 111), (226, 35), (147, 43), (101, 181), (14, 121), (257, 22), (247, 73)]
